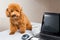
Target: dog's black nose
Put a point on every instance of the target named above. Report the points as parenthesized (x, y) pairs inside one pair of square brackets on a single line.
[(13, 15)]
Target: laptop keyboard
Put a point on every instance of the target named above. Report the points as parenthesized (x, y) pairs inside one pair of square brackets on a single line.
[(45, 37), (48, 39)]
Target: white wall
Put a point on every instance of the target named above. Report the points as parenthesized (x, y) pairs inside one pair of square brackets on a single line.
[(54, 6), (34, 9)]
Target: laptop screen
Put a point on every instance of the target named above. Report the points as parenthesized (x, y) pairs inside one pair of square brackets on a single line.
[(50, 24)]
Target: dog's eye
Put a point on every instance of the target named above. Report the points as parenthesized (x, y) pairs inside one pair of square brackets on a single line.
[(11, 10), (17, 10)]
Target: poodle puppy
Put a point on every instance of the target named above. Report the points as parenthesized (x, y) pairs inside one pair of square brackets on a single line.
[(18, 20)]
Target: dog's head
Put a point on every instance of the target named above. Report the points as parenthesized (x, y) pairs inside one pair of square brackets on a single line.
[(13, 11)]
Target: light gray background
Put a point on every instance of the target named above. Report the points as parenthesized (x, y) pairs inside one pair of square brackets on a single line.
[(34, 9)]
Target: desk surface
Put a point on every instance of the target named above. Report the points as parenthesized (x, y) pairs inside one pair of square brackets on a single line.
[(17, 36)]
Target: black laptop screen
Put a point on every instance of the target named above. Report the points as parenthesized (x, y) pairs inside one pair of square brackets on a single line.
[(50, 24)]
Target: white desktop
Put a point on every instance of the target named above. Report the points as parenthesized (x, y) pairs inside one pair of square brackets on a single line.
[(4, 35)]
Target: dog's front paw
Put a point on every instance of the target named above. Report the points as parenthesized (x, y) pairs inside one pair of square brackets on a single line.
[(22, 32), (11, 33)]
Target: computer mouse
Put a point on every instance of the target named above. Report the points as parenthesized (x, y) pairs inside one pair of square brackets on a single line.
[(25, 36)]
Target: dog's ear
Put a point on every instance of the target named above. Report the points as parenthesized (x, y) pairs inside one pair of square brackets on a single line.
[(7, 13)]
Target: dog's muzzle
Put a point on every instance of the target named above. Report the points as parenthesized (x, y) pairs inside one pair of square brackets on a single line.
[(13, 15)]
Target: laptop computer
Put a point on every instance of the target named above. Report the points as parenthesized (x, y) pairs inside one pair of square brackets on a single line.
[(50, 28)]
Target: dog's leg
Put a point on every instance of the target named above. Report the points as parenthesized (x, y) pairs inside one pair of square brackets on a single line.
[(22, 28), (29, 27), (13, 29)]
